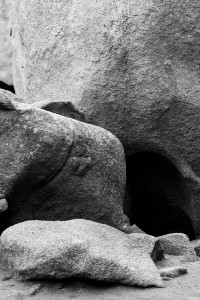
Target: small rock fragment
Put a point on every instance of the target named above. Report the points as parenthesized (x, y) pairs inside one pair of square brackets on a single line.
[(178, 244), (3, 205), (172, 272), (35, 289), (166, 278)]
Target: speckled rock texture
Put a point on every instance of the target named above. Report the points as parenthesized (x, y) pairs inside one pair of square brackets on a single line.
[(132, 66), (58, 168), (196, 245), (147, 242), (76, 248), (178, 244), (5, 43)]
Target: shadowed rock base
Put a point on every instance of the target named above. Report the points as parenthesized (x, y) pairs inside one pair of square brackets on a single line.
[(7, 87), (157, 199)]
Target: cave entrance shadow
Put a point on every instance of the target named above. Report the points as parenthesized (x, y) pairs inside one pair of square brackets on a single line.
[(157, 199), (5, 86)]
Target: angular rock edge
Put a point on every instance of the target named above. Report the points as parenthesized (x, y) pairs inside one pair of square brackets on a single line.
[(76, 248)]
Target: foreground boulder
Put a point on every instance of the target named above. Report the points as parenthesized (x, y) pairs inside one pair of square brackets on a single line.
[(57, 168), (76, 248), (132, 66)]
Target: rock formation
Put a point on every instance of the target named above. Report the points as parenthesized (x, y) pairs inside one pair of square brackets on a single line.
[(58, 168), (81, 68), (131, 66), (178, 244)]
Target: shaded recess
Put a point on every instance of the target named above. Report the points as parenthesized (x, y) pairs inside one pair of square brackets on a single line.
[(7, 87), (157, 199)]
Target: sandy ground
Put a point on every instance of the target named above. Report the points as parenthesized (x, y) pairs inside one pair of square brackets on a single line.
[(185, 287)]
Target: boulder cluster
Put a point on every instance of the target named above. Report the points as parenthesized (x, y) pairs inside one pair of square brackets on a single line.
[(97, 83), (62, 183)]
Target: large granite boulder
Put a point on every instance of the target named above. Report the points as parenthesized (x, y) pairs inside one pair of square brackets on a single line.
[(132, 66), (57, 168), (76, 248), (5, 43)]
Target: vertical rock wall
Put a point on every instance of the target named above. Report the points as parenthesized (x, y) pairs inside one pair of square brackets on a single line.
[(5, 43)]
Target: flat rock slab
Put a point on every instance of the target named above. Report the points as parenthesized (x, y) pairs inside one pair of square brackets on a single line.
[(76, 248), (173, 272)]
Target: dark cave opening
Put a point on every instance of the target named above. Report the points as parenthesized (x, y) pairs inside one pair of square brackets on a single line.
[(157, 199), (5, 86)]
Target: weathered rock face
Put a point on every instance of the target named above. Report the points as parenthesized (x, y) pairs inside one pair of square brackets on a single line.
[(80, 248), (132, 66), (57, 168), (5, 43), (178, 244)]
